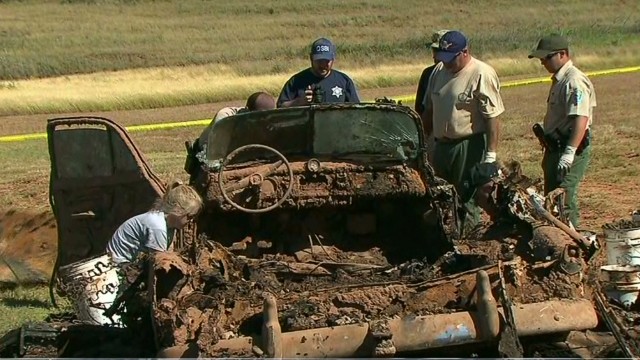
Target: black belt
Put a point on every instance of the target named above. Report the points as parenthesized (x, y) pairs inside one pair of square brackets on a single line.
[(447, 140), (556, 145)]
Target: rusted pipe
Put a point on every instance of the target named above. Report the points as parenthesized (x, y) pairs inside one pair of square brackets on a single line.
[(554, 317), (575, 236), (425, 332)]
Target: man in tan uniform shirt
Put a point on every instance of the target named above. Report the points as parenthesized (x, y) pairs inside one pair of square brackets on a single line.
[(462, 105), (566, 123)]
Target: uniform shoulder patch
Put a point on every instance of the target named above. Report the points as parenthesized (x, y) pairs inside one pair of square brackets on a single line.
[(576, 96)]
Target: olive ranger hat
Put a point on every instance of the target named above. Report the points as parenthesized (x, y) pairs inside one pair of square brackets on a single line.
[(435, 38), (548, 45)]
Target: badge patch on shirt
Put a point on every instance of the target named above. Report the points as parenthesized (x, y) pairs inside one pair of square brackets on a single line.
[(336, 91), (465, 97), (576, 96)]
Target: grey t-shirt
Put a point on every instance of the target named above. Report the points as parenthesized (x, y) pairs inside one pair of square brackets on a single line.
[(139, 233)]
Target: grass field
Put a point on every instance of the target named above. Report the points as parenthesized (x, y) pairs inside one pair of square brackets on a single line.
[(137, 54), (26, 304)]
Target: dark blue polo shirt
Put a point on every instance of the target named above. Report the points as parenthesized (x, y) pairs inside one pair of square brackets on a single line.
[(337, 87)]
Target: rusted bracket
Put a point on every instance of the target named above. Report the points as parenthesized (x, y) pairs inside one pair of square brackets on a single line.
[(271, 331), (488, 315), (380, 331), (509, 344)]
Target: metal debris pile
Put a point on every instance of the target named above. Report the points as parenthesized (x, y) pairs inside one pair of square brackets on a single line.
[(216, 293), (219, 295)]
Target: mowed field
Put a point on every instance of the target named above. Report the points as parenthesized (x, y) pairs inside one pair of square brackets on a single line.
[(88, 55)]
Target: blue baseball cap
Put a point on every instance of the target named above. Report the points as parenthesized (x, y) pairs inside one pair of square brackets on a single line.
[(450, 45), (323, 49)]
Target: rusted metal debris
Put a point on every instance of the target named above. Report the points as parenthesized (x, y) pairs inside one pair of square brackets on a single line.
[(346, 245), (228, 309)]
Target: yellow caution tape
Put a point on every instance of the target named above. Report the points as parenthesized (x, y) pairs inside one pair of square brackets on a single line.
[(133, 128), (406, 98), (169, 125), (539, 80)]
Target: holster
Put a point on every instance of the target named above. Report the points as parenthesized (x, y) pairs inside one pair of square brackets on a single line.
[(557, 142), (561, 142)]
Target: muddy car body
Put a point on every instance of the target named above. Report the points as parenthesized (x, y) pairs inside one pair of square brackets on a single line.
[(325, 234), (284, 175)]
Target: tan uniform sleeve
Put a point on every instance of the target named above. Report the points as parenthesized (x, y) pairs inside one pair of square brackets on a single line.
[(488, 95), (577, 97)]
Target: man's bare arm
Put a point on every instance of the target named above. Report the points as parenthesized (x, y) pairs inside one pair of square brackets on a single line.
[(294, 102), (579, 127), (300, 100), (493, 134)]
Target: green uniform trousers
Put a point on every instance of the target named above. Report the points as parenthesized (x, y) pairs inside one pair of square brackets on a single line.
[(570, 182), (452, 161)]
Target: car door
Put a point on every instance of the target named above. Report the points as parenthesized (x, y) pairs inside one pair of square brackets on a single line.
[(98, 180)]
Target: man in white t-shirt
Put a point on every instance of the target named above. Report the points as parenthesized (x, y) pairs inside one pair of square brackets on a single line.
[(256, 102)]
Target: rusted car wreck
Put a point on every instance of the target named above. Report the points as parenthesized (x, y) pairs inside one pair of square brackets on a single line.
[(325, 234)]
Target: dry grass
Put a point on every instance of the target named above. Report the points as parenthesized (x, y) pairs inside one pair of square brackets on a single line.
[(171, 53), (86, 36)]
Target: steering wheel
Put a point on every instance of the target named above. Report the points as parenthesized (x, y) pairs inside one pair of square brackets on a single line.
[(254, 180)]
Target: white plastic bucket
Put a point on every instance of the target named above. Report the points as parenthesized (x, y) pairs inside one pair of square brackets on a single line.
[(93, 286), (623, 246), (622, 283)]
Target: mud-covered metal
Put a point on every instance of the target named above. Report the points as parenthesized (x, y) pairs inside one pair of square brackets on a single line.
[(216, 305), (340, 155), (358, 260)]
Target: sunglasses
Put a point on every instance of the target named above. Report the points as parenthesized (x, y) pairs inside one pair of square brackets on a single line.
[(548, 57)]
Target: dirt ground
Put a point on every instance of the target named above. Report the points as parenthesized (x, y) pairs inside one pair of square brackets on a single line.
[(27, 247)]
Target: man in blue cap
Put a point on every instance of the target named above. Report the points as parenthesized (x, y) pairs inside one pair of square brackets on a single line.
[(462, 104), (319, 83)]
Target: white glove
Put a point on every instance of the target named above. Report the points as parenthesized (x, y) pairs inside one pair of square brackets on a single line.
[(566, 160), (489, 157)]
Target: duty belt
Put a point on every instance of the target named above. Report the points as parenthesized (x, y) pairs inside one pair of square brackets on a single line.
[(447, 140)]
